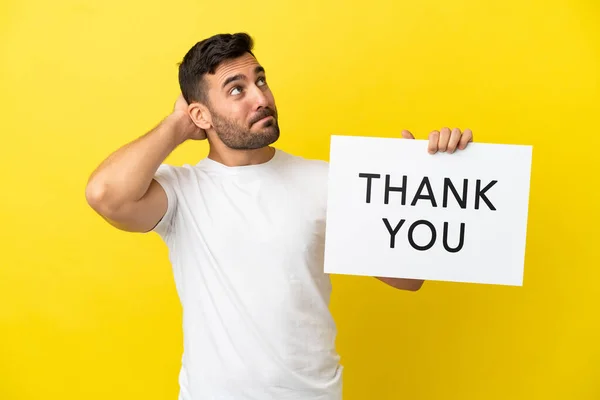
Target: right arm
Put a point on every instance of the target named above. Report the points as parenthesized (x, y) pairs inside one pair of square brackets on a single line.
[(122, 189)]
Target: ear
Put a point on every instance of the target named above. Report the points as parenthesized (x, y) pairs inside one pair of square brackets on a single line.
[(200, 115)]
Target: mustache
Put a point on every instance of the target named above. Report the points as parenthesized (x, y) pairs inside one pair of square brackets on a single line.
[(263, 113)]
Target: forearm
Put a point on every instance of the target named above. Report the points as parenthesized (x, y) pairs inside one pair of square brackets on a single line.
[(403, 283), (125, 175)]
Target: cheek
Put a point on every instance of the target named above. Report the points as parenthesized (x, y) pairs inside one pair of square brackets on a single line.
[(241, 111), (236, 111)]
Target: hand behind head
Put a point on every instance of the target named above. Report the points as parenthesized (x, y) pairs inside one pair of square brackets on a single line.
[(190, 129)]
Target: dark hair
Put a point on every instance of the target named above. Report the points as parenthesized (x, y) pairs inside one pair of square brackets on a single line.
[(204, 57)]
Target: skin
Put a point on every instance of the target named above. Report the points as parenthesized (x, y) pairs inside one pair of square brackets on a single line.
[(239, 121)]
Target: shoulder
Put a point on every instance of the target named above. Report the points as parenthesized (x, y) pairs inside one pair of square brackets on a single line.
[(176, 170), (306, 167), (310, 176), (179, 173), (177, 180)]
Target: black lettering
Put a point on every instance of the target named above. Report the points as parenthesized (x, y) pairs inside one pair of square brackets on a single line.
[(392, 232), (461, 201), (389, 189), (481, 194), (424, 184), (369, 177), (460, 242), (411, 239)]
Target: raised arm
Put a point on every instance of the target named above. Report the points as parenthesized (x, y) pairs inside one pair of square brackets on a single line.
[(122, 189)]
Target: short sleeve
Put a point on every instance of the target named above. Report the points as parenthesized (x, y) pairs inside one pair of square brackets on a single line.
[(167, 178), (322, 182)]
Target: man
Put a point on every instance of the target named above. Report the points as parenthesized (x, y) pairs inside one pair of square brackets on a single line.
[(245, 231)]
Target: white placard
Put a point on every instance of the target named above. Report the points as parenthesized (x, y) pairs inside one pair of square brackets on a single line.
[(423, 226)]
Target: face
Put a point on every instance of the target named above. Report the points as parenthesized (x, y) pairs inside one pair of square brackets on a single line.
[(241, 106)]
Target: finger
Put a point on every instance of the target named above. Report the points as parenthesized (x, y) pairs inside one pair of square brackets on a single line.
[(454, 139), (444, 137), (407, 135), (432, 146), (465, 139)]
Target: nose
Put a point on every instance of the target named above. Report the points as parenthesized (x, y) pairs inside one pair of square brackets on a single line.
[(259, 97)]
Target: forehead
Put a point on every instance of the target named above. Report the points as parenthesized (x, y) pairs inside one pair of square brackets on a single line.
[(244, 65)]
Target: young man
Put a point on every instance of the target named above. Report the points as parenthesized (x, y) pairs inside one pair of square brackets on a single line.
[(245, 231)]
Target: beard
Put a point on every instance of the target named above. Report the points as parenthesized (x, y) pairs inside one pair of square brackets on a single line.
[(238, 136)]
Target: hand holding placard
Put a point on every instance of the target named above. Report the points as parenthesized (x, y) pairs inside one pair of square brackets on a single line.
[(395, 210)]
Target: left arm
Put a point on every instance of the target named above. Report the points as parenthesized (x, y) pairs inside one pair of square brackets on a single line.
[(402, 283), (445, 140)]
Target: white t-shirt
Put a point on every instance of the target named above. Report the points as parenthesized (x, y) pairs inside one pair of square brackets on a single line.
[(246, 244)]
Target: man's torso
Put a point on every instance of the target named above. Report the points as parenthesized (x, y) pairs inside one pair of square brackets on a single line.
[(247, 246)]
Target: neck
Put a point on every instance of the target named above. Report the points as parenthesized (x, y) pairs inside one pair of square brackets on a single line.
[(237, 158)]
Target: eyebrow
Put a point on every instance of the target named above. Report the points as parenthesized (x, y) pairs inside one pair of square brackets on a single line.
[(238, 77)]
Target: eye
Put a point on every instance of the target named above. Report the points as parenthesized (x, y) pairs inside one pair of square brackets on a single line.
[(235, 90), (262, 81)]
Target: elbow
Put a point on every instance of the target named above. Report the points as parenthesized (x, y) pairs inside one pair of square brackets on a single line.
[(97, 195), (411, 285), (415, 285)]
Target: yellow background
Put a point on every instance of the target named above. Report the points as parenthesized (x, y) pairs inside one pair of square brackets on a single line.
[(88, 312)]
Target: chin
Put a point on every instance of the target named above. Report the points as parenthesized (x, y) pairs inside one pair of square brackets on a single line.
[(268, 128), (271, 137)]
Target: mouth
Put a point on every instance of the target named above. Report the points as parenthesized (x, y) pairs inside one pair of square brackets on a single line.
[(263, 118)]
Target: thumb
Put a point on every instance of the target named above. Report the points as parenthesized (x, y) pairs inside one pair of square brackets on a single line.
[(407, 135)]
